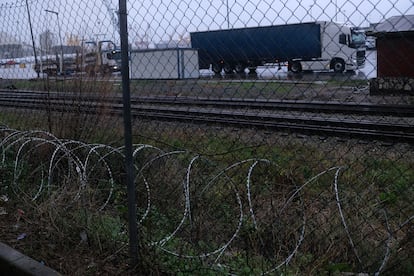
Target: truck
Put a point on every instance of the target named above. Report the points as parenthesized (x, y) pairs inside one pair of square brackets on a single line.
[(91, 58), (321, 45), (50, 63), (100, 58)]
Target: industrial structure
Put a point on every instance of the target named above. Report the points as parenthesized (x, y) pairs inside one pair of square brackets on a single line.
[(395, 56)]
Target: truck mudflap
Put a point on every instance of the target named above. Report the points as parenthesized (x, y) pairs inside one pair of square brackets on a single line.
[(351, 67), (360, 58), (357, 62)]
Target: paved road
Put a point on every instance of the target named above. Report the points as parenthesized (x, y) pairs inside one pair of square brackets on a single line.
[(25, 71), (272, 72)]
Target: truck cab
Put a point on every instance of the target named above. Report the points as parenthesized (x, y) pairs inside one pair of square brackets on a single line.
[(100, 57), (342, 49)]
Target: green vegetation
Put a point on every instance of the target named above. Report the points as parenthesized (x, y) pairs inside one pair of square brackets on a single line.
[(211, 201), (66, 84), (230, 88), (283, 195)]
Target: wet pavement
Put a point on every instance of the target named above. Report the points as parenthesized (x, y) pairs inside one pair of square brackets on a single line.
[(273, 72)]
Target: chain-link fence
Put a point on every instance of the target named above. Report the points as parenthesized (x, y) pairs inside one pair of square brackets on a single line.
[(269, 137)]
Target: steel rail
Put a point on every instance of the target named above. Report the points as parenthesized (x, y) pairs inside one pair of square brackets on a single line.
[(320, 125), (397, 110)]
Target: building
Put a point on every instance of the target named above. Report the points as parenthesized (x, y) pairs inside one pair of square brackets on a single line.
[(10, 47), (395, 55)]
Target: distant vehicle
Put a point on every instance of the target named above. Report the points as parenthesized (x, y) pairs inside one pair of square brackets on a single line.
[(306, 46), (370, 43), (101, 57), (91, 58)]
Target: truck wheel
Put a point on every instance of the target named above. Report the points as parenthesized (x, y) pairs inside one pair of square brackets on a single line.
[(239, 68), (296, 67), (216, 68), (338, 66), (228, 69)]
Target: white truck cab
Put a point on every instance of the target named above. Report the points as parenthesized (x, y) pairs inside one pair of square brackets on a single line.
[(342, 49)]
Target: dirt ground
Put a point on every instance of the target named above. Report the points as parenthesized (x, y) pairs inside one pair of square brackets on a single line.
[(34, 238)]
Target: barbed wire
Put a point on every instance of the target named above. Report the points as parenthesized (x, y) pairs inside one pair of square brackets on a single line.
[(78, 155)]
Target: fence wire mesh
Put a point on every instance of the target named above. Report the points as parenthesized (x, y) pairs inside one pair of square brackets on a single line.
[(270, 137)]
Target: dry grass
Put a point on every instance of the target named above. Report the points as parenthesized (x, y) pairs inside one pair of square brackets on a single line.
[(319, 224)]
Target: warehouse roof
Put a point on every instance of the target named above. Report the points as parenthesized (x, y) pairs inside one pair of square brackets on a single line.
[(401, 23)]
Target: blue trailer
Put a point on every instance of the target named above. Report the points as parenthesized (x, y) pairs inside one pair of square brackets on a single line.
[(304, 46)]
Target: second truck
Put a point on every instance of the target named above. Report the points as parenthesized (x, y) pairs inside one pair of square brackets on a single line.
[(315, 46), (91, 58)]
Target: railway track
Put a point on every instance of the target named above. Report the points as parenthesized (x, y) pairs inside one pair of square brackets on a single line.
[(327, 119)]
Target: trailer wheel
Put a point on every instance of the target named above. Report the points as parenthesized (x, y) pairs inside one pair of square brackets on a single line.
[(228, 69), (216, 68), (338, 65), (296, 67), (252, 70), (239, 68)]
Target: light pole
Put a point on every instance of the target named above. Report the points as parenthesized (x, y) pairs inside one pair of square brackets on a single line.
[(228, 14), (60, 38), (31, 33), (336, 10)]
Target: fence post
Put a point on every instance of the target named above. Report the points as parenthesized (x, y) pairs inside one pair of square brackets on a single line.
[(129, 163)]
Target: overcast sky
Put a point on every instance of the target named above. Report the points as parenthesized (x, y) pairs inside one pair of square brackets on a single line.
[(165, 19)]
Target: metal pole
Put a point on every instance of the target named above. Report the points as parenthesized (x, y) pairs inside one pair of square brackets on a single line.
[(129, 163), (336, 11), (33, 41), (228, 14), (60, 39), (61, 45)]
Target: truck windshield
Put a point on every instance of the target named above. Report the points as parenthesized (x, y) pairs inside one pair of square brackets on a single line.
[(357, 39), (116, 55)]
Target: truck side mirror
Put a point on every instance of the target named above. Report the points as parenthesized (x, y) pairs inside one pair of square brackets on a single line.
[(342, 39)]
